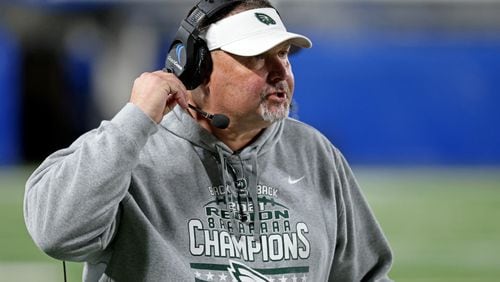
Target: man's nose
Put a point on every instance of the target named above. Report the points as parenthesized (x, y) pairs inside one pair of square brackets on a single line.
[(278, 68)]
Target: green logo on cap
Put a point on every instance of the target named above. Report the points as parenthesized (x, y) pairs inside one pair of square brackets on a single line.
[(265, 18)]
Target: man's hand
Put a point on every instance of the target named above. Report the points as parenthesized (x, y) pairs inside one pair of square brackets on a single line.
[(157, 93)]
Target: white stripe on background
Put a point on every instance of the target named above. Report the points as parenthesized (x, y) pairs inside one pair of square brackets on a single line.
[(23, 272)]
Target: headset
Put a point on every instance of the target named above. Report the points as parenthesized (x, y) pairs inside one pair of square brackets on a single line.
[(188, 56)]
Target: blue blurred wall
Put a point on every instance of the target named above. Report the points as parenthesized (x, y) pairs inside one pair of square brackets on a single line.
[(10, 147), (382, 98), (397, 99)]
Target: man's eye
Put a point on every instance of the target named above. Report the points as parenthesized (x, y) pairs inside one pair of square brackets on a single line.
[(259, 57), (283, 53)]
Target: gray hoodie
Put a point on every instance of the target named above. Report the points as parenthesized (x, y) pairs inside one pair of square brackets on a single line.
[(138, 201)]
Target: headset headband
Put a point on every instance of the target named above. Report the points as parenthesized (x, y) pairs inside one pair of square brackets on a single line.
[(188, 57), (205, 9)]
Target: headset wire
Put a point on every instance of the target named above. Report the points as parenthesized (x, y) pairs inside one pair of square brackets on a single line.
[(64, 271)]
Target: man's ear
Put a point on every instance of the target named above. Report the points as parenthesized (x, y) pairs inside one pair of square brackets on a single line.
[(208, 67), (198, 94), (204, 88), (206, 81)]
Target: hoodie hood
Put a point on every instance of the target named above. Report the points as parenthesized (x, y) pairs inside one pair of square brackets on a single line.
[(237, 170), (184, 126)]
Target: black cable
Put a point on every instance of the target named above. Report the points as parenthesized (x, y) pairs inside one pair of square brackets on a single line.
[(64, 271)]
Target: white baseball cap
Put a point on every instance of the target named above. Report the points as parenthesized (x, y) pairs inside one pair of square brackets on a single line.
[(251, 33)]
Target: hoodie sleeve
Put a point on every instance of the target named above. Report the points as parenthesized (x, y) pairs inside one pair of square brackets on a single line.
[(362, 252), (72, 199)]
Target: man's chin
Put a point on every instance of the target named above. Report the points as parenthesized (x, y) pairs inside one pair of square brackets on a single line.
[(273, 113)]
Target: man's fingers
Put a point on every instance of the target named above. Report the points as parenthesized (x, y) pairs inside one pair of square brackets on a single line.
[(157, 93), (181, 100), (177, 89)]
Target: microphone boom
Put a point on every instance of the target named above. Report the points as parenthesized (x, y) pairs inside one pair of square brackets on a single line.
[(217, 120)]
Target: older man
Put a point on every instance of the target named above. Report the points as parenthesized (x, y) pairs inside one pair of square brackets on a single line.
[(163, 193)]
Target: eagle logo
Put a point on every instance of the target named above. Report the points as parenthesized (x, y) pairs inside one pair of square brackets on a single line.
[(265, 18), (242, 273)]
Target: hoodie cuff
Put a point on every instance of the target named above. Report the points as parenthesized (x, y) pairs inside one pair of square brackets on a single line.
[(134, 123)]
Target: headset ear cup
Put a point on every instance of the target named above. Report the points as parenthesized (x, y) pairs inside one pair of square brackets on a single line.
[(188, 57), (196, 67), (204, 64)]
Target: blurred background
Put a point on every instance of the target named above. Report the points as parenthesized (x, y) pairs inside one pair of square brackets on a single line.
[(407, 89)]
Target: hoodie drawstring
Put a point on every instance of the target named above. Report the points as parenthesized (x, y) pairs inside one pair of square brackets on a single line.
[(225, 183), (228, 195), (253, 182), (244, 191)]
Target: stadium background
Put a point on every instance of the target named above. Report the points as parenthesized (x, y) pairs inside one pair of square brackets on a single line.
[(408, 90)]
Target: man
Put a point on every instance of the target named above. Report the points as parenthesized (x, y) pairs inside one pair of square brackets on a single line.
[(160, 193)]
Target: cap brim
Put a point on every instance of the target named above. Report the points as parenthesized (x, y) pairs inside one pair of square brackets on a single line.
[(261, 43)]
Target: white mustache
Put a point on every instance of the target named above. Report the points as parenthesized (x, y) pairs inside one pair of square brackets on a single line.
[(279, 87)]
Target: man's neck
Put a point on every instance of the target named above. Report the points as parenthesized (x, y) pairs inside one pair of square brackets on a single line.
[(237, 136), (237, 141)]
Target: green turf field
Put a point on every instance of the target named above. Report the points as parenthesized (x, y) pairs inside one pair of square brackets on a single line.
[(443, 225)]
